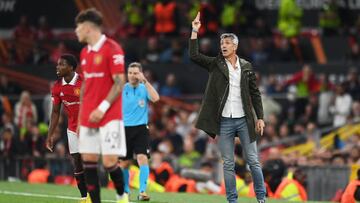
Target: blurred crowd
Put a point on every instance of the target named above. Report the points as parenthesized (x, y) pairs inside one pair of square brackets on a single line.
[(163, 28), (297, 109)]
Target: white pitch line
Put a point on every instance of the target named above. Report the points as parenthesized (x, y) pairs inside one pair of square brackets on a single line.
[(44, 195)]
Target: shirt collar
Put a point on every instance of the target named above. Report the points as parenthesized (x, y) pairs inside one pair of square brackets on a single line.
[(98, 44), (237, 64), (72, 82)]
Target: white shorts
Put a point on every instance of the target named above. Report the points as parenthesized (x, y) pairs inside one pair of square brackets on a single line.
[(73, 142), (106, 140)]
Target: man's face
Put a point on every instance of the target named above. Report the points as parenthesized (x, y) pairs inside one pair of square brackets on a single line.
[(82, 30), (133, 73), (62, 68), (227, 46)]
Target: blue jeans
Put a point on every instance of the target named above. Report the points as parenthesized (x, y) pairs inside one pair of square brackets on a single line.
[(229, 128)]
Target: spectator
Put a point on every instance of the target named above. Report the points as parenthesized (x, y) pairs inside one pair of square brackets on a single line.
[(166, 18), (260, 28), (47, 103), (56, 53), (356, 111), (259, 55), (342, 106), (7, 123), (174, 54), (209, 14), (170, 88), (39, 55), (272, 85), (306, 84), (183, 123), (352, 191), (25, 110), (282, 51), (329, 19), (8, 144), (289, 19), (270, 106), (151, 77), (274, 168), (352, 84), (44, 32), (190, 157), (151, 53), (325, 97), (9, 148), (175, 139), (205, 47), (36, 142), (8, 88), (24, 36), (40, 174)]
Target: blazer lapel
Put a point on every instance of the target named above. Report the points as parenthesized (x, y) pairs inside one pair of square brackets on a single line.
[(221, 64)]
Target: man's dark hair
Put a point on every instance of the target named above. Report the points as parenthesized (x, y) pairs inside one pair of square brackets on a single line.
[(70, 60), (90, 15)]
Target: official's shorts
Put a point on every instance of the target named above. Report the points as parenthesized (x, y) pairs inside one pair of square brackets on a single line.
[(106, 140), (137, 141), (73, 142)]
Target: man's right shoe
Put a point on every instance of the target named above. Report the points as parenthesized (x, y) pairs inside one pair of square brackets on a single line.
[(123, 198), (143, 197)]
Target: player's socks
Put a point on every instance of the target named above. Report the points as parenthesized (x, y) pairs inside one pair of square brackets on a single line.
[(144, 175), (79, 174), (92, 181), (126, 180), (80, 181), (117, 177)]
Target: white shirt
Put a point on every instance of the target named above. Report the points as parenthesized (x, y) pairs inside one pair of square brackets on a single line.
[(342, 109), (233, 107)]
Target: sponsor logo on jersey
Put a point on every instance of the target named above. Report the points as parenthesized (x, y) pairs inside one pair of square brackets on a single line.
[(118, 59), (97, 59), (77, 91), (94, 75)]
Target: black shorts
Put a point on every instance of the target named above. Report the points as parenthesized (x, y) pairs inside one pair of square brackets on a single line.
[(137, 141)]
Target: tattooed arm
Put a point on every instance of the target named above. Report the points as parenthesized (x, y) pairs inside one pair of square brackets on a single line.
[(115, 91)]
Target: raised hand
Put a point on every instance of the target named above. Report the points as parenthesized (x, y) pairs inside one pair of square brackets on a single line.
[(141, 77), (196, 24)]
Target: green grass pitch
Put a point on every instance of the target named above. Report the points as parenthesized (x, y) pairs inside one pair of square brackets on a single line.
[(16, 192)]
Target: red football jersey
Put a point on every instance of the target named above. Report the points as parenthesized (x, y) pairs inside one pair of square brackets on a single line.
[(69, 95), (98, 64)]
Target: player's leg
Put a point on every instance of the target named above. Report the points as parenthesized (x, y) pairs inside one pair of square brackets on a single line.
[(144, 175), (124, 162), (89, 147), (73, 142), (113, 145), (124, 165), (142, 151)]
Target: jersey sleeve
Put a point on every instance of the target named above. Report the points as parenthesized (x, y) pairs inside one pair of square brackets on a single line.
[(117, 60), (55, 95)]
